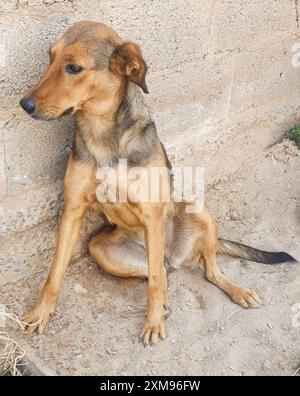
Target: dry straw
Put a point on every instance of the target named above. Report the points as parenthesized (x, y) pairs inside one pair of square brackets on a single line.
[(11, 353)]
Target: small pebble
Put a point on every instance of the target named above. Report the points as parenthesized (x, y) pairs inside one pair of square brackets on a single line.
[(267, 365), (77, 351), (84, 362), (79, 289)]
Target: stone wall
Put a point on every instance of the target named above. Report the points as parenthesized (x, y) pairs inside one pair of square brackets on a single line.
[(217, 68)]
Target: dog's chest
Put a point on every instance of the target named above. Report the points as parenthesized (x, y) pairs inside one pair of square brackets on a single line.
[(115, 196)]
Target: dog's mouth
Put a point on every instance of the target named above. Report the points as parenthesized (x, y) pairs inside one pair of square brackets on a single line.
[(41, 117), (44, 117), (69, 111)]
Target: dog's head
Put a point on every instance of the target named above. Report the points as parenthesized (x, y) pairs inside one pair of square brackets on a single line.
[(89, 68)]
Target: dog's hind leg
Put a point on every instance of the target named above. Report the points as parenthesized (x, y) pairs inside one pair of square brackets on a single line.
[(244, 297), (118, 254), (195, 238)]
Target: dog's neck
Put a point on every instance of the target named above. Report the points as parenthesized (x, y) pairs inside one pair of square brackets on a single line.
[(98, 137), (133, 108)]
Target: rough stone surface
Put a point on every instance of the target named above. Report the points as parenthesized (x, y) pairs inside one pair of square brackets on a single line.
[(243, 23), (204, 95), (170, 32), (28, 252), (20, 211), (264, 74), (2, 165), (8, 5), (29, 162)]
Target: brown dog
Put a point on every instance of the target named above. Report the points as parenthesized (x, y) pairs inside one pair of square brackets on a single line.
[(99, 78)]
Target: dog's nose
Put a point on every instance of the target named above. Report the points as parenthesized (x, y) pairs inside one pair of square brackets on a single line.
[(28, 105)]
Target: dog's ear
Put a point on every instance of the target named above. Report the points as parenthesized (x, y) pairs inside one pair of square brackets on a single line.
[(127, 60)]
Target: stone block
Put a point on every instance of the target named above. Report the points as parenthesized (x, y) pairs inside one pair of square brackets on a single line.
[(35, 152), (264, 74), (243, 23), (192, 96), (170, 33)]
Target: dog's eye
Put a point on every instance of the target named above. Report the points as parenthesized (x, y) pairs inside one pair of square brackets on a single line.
[(73, 69)]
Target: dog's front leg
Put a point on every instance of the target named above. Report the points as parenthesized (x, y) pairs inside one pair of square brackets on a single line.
[(154, 328), (78, 184), (67, 237)]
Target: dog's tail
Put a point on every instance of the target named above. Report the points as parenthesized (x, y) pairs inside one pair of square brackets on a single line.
[(238, 250)]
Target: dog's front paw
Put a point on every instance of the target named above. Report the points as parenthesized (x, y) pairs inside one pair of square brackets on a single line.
[(153, 331), (38, 318)]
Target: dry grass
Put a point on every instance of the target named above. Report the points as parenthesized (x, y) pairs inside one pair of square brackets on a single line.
[(11, 356), (11, 353)]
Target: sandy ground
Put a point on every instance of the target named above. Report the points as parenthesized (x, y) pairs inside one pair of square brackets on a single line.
[(98, 318)]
